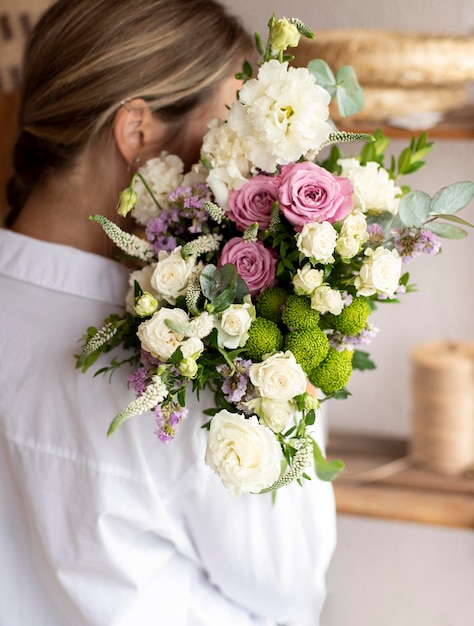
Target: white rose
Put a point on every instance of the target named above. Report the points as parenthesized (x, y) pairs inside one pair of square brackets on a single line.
[(157, 338), (327, 300), (146, 305), (233, 325), (278, 377), (244, 453), (347, 246), (355, 225), (171, 275), (276, 415), (143, 278), (317, 241), (282, 113), (162, 174), (374, 190), (380, 274), (192, 347), (306, 280)]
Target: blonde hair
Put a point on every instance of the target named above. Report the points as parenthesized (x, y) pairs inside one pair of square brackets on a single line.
[(86, 57)]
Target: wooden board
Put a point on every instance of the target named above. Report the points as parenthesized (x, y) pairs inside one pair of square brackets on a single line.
[(380, 480)]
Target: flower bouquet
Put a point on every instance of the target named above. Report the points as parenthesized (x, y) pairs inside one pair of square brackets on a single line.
[(259, 269)]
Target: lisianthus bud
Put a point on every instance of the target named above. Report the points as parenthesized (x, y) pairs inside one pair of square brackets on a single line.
[(127, 200), (188, 367), (145, 305), (283, 35)]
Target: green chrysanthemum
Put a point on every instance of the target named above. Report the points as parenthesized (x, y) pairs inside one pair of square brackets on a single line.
[(270, 302), (298, 313), (309, 346), (334, 372), (264, 338), (352, 319)]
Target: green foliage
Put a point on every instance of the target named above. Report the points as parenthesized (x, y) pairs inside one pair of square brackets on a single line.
[(344, 86), (362, 361), (325, 470)]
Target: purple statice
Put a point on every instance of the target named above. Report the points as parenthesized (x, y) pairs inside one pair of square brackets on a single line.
[(161, 231), (410, 242), (341, 342), (376, 234), (189, 201), (167, 420), (236, 384), (431, 243), (137, 380)]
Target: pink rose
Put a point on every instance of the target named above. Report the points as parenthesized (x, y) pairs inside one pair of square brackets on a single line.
[(309, 193), (255, 263), (254, 202)]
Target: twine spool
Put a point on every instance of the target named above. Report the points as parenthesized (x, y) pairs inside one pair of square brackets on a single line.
[(442, 385)]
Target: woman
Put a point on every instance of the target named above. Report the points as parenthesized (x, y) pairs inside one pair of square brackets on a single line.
[(98, 531)]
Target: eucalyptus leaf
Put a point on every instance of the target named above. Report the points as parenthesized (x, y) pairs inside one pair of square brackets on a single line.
[(452, 198), (350, 97), (446, 230), (323, 75), (222, 301), (414, 209), (325, 470), (207, 281), (454, 218)]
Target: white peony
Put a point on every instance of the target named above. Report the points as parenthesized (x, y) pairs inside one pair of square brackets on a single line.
[(171, 275), (244, 453), (327, 300), (157, 338), (283, 113), (276, 415), (380, 273), (227, 155), (317, 241), (278, 377), (233, 325), (163, 174), (374, 190), (307, 279)]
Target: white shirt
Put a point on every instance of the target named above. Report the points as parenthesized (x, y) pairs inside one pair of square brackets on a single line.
[(126, 531)]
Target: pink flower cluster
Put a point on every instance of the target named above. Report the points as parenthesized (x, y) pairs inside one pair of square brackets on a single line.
[(305, 193)]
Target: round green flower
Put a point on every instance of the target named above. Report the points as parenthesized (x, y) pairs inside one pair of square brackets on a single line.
[(309, 346), (298, 313), (264, 337), (270, 302), (334, 372)]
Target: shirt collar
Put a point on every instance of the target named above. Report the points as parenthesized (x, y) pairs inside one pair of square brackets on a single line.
[(62, 268)]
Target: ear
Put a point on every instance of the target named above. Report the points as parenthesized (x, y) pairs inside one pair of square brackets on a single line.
[(136, 130)]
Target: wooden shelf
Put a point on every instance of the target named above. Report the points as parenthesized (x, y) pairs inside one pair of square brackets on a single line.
[(380, 480), (456, 124)]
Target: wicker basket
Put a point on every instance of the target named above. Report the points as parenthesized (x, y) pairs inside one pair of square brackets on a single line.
[(383, 57)]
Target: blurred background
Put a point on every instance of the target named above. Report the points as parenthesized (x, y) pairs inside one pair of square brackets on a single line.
[(398, 560)]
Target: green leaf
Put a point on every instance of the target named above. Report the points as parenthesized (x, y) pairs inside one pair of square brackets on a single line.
[(453, 218), (362, 361), (323, 75), (446, 230), (207, 281), (222, 301), (414, 209), (325, 470), (350, 97), (404, 161), (452, 198)]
